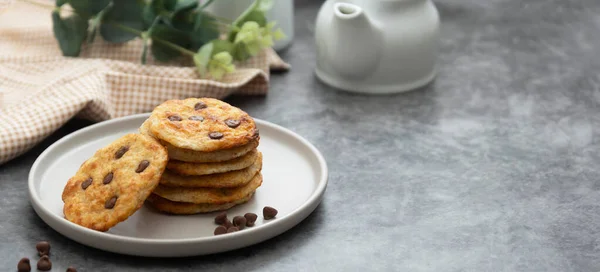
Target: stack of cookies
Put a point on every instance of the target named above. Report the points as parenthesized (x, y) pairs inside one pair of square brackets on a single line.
[(213, 161)]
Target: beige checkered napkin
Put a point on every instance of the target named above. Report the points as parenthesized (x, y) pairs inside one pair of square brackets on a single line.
[(40, 90)]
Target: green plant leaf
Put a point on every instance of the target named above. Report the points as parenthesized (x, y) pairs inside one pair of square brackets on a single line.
[(185, 5), (162, 52), (123, 22), (184, 20), (240, 52), (59, 3), (70, 32), (205, 30), (222, 46), (255, 16), (169, 4), (89, 8), (265, 5), (202, 58)]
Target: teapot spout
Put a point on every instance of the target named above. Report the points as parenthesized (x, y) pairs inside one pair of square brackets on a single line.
[(355, 41)]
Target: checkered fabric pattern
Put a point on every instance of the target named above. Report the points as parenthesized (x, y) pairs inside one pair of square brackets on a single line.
[(40, 90)]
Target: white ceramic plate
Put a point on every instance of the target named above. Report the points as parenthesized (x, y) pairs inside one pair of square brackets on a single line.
[(295, 178)]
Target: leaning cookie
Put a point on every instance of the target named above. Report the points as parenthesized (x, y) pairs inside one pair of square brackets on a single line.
[(180, 208), (202, 124), (114, 183)]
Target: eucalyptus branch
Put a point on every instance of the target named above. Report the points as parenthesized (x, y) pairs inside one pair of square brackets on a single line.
[(176, 27)]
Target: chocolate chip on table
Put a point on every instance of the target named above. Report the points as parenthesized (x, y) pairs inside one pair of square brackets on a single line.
[(232, 123), (142, 166), (269, 212), (24, 265), (250, 219), (215, 135), (232, 229), (239, 221), (196, 118), (44, 263), (121, 152), (110, 203), (200, 105), (108, 178), (43, 248), (221, 218), (175, 118), (86, 183), (71, 269), (220, 230)]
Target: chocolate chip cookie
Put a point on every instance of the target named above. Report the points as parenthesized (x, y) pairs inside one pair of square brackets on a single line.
[(202, 124), (114, 182), (209, 195), (168, 206), (188, 155), (197, 169)]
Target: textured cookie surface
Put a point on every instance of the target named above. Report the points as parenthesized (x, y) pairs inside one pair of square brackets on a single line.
[(221, 180), (208, 195), (192, 169), (202, 124), (188, 155), (167, 206), (114, 183)]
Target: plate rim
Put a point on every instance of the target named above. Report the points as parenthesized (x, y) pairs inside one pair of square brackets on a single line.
[(313, 200)]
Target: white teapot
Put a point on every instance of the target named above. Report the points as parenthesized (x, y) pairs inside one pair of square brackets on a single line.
[(377, 46)]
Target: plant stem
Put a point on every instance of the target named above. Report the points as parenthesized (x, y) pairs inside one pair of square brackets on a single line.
[(166, 43)]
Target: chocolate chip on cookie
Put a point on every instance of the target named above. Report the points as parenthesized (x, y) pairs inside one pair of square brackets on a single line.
[(196, 118), (71, 269), (86, 183), (24, 265), (221, 218), (215, 135), (44, 264), (43, 248), (269, 212), (250, 219), (108, 178), (110, 203), (142, 166), (121, 152), (220, 230), (175, 118), (200, 105), (232, 123)]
